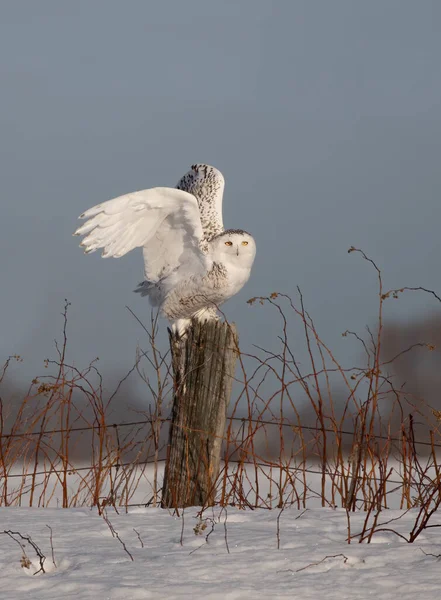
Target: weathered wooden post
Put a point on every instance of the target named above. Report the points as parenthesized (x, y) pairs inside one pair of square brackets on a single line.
[(203, 370)]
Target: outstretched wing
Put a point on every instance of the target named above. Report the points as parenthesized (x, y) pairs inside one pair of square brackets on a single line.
[(207, 185), (164, 221)]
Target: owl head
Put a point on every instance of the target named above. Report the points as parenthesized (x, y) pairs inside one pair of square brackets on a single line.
[(233, 246)]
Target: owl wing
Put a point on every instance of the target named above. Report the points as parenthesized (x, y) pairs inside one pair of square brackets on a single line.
[(207, 185), (164, 221)]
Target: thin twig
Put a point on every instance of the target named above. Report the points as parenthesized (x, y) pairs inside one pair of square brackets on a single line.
[(115, 533), (139, 537), (323, 560), (27, 538), (52, 546)]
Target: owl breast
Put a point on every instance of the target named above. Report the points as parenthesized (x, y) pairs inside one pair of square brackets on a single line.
[(236, 278)]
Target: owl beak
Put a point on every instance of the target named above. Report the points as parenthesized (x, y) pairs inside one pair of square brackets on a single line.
[(237, 251)]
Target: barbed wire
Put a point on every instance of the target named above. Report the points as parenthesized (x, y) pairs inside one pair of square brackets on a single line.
[(291, 426), (85, 428)]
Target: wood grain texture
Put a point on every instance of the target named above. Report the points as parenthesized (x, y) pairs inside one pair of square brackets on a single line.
[(203, 369)]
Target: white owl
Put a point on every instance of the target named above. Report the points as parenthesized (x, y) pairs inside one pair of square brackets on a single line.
[(191, 263)]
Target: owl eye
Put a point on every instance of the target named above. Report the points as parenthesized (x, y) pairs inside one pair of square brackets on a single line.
[(244, 243), (228, 243)]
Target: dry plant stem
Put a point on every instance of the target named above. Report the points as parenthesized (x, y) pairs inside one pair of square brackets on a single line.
[(375, 507), (213, 525), (29, 540), (345, 559), (115, 533), (32, 440), (52, 546), (162, 376), (348, 520), (181, 539), (269, 449), (139, 537), (381, 527), (225, 528), (437, 556)]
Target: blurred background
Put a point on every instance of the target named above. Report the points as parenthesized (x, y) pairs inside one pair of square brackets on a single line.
[(324, 117)]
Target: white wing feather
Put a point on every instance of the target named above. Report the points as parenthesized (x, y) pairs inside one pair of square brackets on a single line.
[(164, 221)]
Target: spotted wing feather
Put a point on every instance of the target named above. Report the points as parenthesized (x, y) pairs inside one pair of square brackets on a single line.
[(207, 185)]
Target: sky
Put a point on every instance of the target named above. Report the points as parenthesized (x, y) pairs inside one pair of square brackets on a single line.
[(324, 117)]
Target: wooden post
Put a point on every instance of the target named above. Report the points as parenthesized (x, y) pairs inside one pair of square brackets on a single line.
[(203, 370)]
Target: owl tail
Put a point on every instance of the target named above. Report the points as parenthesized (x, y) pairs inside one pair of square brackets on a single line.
[(150, 289)]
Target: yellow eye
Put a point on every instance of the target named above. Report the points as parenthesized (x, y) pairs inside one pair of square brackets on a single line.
[(244, 243), (228, 243)]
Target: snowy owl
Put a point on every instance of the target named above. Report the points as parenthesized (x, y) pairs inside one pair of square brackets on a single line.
[(191, 263)]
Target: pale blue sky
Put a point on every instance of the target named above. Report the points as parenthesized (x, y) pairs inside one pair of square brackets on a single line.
[(325, 118)]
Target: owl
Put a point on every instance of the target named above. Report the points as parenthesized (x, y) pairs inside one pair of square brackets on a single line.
[(192, 264)]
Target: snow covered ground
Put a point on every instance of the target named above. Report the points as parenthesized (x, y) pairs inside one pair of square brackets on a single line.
[(240, 559)]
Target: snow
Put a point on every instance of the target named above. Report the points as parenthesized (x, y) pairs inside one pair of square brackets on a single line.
[(239, 559)]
